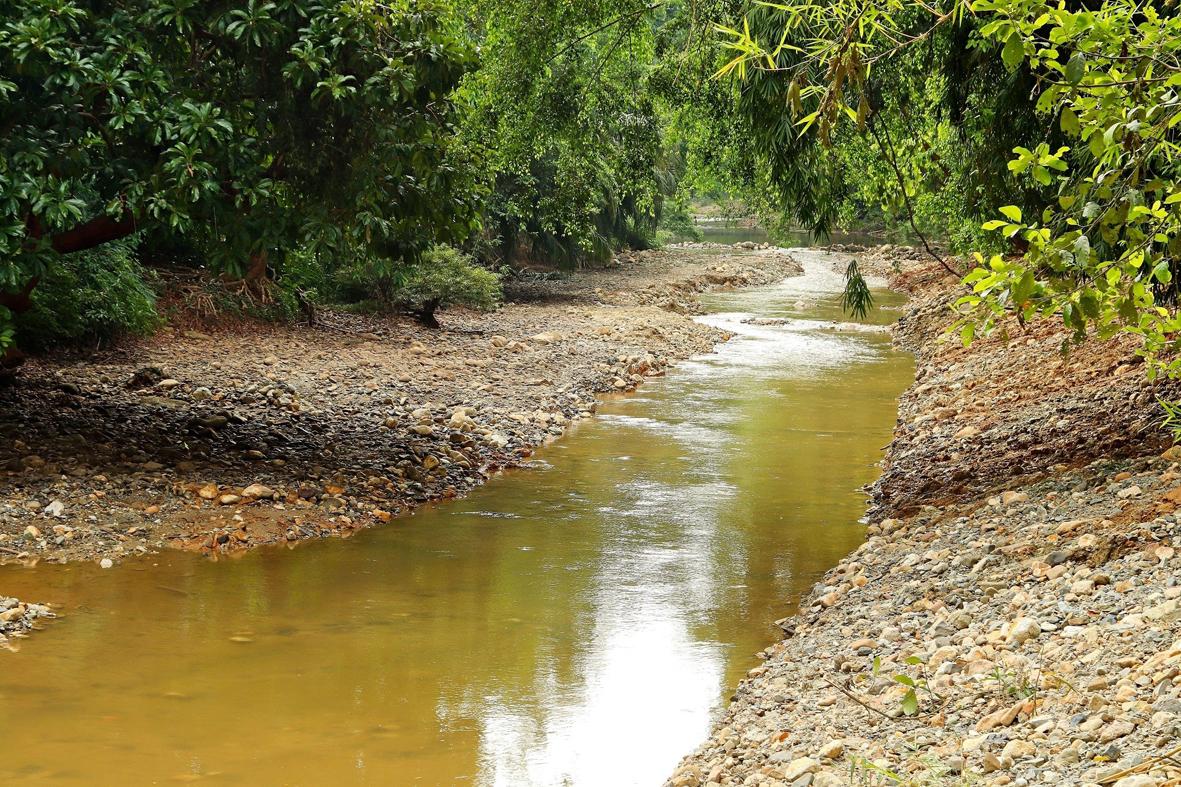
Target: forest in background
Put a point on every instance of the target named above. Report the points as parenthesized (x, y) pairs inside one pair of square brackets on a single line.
[(406, 154)]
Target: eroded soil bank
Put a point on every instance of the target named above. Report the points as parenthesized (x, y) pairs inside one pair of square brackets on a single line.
[(1021, 578), (223, 440)]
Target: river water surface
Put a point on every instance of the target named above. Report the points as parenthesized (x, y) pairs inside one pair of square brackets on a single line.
[(580, 623)]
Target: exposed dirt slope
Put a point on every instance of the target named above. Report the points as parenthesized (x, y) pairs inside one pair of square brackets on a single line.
[(1001, 411)]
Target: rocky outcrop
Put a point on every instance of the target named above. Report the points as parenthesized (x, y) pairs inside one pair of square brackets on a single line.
[(17, 619)]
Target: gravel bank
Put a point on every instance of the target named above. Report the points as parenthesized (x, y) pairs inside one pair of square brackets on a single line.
[(258, 433), (1020, 577)]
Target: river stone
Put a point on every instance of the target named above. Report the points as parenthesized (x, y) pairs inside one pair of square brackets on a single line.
[(832, 750), (1018, 749), (1139, 780), (258, 491), (800, 766)]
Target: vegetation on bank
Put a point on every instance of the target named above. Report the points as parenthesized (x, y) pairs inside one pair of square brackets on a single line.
[(1081, 223), (325, 149)]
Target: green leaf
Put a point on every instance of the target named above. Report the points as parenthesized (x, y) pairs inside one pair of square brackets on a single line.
[(1089, 304), (1069, 123), (1024, 287), (910, 703), (1076, 67), (1011, 212), (1162, 272), (1014, 51)]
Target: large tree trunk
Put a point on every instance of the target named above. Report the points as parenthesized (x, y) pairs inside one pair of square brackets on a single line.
[(258, 267)]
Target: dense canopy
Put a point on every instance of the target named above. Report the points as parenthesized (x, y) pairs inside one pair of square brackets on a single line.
[(317, 143)]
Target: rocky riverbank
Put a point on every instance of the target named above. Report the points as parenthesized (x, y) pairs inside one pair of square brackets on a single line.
[(1014, 617), (219, 440)]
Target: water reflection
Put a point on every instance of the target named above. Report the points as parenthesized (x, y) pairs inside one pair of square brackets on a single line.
[(577, 623)]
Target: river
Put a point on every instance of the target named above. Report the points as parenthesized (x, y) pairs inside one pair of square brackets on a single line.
[(580, 622)]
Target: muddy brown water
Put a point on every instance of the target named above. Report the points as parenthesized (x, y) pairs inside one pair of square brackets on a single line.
[(580, 622)]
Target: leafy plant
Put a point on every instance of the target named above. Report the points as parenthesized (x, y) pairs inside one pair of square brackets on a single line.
[(91, 295), (249, 128), (1171, 420), (1097, 240), (910, 703), (445, 277), (1016, 685), (857, 299)]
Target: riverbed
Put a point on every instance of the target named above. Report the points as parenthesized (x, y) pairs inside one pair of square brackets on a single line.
[(578, 622)]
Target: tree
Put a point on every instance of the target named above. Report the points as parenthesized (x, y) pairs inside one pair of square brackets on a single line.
[(250, 128), (563, 104), (1096, 243)]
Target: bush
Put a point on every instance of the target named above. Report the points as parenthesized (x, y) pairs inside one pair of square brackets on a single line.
[(87, 296), (678, 225), (445, 276)]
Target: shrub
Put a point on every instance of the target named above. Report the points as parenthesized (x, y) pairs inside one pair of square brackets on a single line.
[(445, 276), (90, 295), (678, 224)]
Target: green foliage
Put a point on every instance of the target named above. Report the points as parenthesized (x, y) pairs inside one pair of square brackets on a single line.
[(915, 139), (1102, 256), (252, 128), (857, 299), (570, 107), (91, 295), (445, 277), (1171, 418), (7, 328), (1097, 223), (678, 225)]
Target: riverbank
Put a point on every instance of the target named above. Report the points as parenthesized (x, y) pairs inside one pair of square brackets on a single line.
[(223, 440), (1013, 617)]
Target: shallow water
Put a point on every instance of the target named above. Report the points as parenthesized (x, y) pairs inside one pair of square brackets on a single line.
[(577, 623)]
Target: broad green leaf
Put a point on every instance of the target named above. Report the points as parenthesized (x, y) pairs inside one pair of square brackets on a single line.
[(1013, 52)]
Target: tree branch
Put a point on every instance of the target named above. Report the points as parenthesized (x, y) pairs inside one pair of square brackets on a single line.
[(95, 232), (629, 15), (887, 149)]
